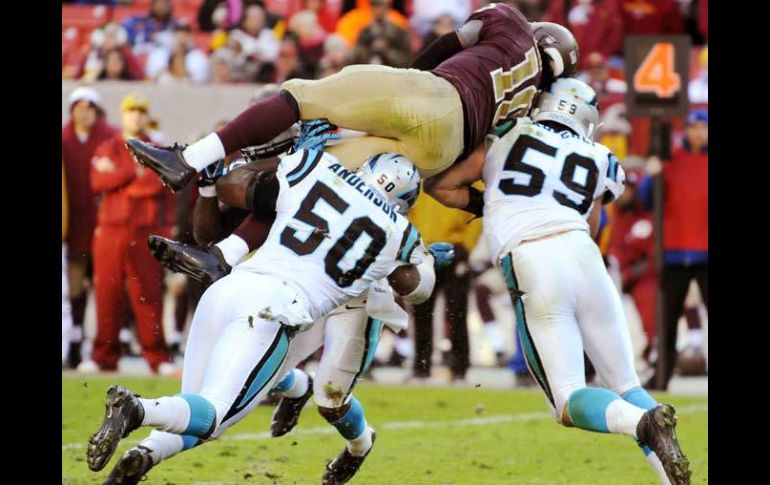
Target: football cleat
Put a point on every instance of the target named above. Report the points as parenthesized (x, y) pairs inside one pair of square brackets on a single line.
[(167, 162), (123, 414), (656, 429), (286, 415), (132, 467), (342, 468), (201, 264)]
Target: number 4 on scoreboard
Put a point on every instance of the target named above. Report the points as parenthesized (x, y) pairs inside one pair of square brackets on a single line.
[(656, 74)]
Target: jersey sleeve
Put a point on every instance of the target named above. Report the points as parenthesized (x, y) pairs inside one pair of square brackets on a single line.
[(614, 179), (411, 242), (494, 17), (295, 167)]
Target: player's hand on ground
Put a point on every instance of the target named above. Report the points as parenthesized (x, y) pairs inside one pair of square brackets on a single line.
[(443, 253), (314, 134)]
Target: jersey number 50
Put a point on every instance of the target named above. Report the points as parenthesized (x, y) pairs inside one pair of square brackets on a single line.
[(340, 248), (515, 162)]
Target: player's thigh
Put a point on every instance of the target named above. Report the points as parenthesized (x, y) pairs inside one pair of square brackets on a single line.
[(350, 342), (303, 345), (602, 321), (546, 322), (207, 323)]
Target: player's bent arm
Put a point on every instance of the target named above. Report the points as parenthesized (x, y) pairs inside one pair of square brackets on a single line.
[(594, 217), (414, 282), (233, 188), (447, 45), (452, 186), (207, 222)]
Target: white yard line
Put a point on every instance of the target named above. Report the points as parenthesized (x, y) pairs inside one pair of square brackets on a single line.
[(415, 424)]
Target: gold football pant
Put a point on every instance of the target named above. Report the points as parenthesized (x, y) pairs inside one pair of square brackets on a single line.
[(414, 113)]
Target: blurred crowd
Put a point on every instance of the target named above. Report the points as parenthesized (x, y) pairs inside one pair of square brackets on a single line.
[(110, 204)]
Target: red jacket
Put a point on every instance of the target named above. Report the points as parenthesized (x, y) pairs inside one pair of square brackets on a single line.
[(686, 208), (81, 199), (128, 198), (597, 27), (648, 17)]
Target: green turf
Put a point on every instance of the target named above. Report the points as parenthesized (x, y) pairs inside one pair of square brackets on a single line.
[(425, 445)]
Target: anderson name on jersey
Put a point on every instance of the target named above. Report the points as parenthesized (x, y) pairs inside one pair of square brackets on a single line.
[(333, 235), (540, 181)]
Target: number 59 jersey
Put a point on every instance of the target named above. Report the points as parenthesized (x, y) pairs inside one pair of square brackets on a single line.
[(540, 181), (333, 235)]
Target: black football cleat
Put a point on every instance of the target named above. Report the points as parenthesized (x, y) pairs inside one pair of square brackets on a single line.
[(342, 468), (132, 467), (286, 414), (656, 429), (123, 414), (167, 162), (201, 264)]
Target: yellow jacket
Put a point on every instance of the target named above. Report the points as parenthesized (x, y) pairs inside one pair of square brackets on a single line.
[(439, 223)]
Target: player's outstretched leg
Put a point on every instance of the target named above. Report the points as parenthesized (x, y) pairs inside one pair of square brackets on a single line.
[(187, 414), (657, 430), (295, 389), (176, 166), (350, 422), (137, 461)]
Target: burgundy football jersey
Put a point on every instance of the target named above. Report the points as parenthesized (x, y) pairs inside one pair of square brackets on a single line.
[(497, 77)]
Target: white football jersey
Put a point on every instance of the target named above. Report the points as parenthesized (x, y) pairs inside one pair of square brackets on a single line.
[(539, 181), (333, 236)]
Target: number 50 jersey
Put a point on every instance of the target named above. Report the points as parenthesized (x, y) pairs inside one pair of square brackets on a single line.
[(539, 182), (333, 235)]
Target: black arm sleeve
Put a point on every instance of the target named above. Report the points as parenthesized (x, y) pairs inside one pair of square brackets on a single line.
[(437, 52), (475, 202), (262, 193)]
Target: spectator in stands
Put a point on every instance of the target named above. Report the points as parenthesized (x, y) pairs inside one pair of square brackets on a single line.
[(145, 32), (219, 14), (83, 133), (382, 41), (255, 42), (598, 75), (134, 205), (427, 12), (443, 24), (685, 234), (596, 24), (311, 37), (222, 62), (289, 65), (336, 56), (353, 22), (439, 223), (116, 67), (325, 20), (104, 41), (651, 17), (180, 61)]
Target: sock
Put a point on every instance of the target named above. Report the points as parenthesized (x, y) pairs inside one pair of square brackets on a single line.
[(353, 427), (204, 152), (293, 385), (259, 123), (622, 417), (494, 335), (603, 411), (162, 445), (360, 445), (254, 231), (188, 414), (233, 249), (641, 398)]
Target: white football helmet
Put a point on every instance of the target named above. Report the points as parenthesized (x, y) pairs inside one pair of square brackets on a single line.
[(395, 177), (571, 103)]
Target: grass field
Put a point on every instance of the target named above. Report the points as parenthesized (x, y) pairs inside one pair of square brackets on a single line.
[(424, 436)]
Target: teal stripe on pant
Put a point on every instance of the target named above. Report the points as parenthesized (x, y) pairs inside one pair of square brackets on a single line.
[(202, 415), (373, 340), (262, 372), (530, 352)]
